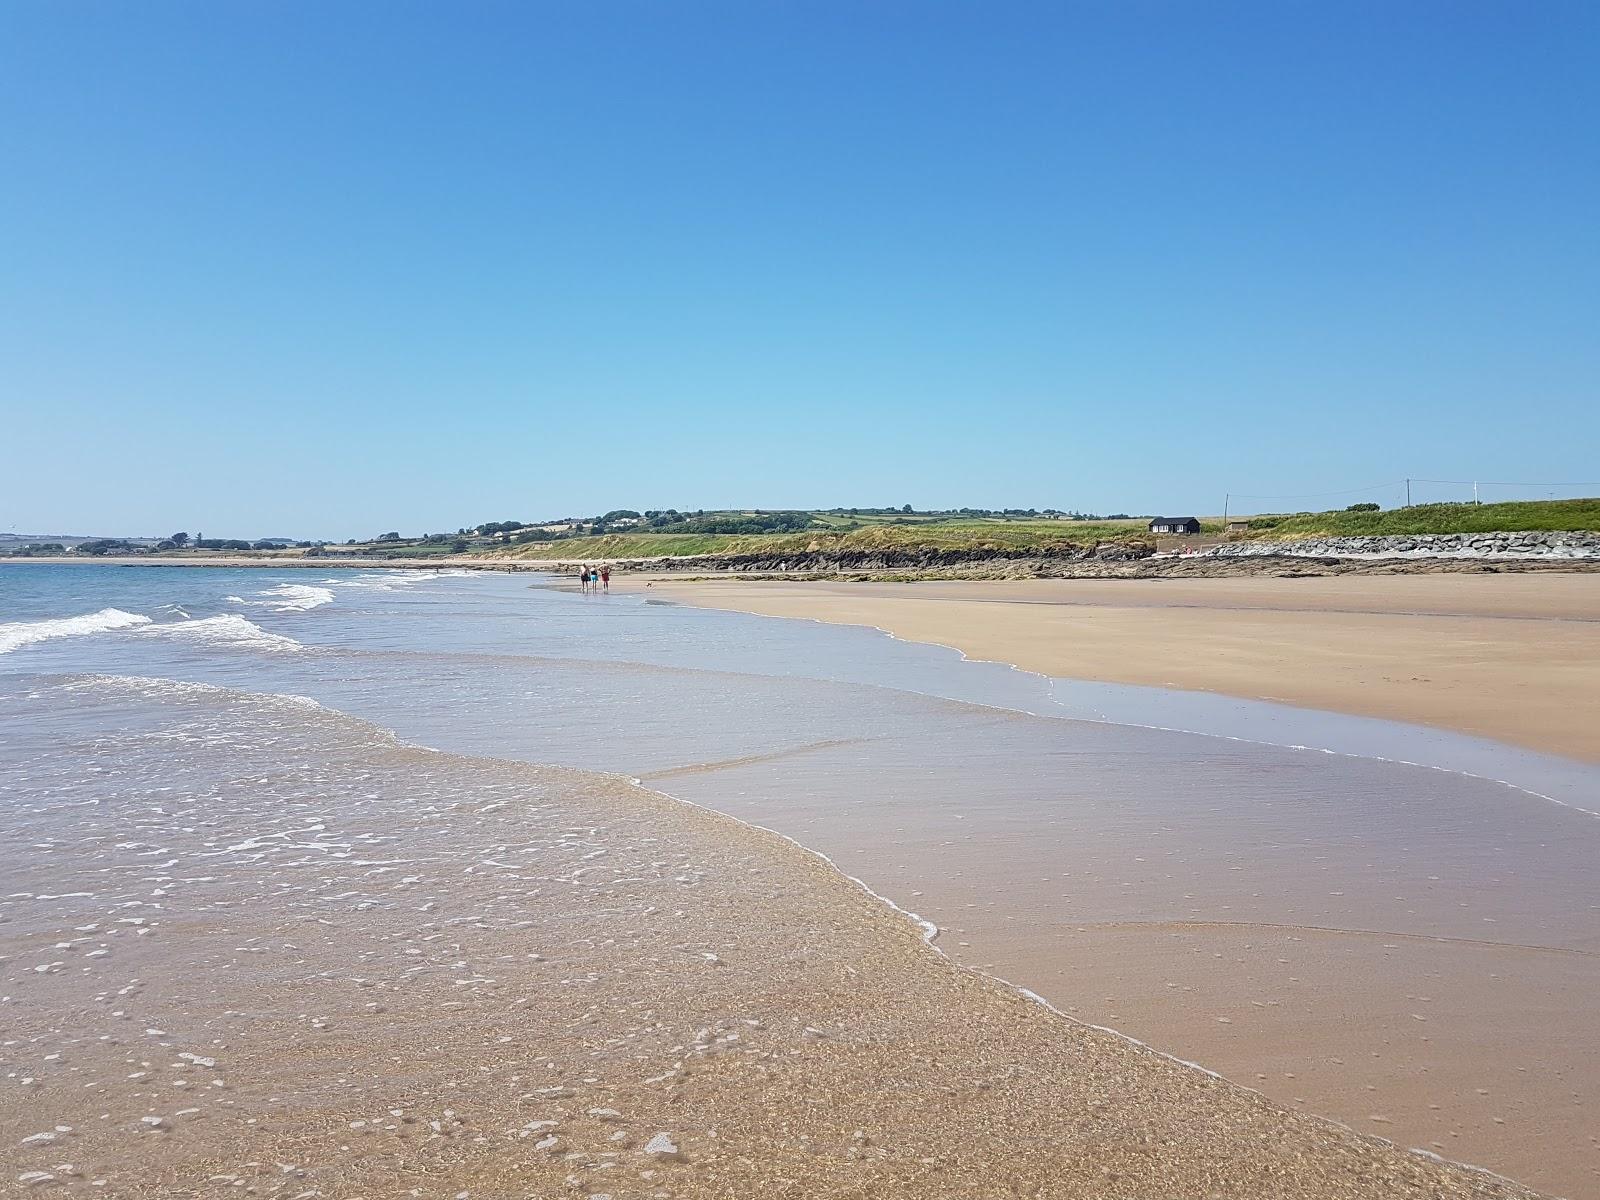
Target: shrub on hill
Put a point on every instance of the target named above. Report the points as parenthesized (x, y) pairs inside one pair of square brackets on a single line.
[(777, 522)]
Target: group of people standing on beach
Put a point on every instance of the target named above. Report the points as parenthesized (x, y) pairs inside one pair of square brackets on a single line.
[(594, 579)]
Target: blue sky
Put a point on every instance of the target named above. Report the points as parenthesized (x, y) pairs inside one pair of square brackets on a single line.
[(334, 268)]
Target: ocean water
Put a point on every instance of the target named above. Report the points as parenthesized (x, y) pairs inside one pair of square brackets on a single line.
[(1337, 912)]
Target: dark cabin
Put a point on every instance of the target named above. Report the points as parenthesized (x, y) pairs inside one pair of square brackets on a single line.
[(1174, 524)]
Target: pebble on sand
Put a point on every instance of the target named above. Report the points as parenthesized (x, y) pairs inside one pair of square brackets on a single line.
[(663, 1146)]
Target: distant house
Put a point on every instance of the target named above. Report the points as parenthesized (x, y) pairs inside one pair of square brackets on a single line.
[(1174, 524), (1238, 526)]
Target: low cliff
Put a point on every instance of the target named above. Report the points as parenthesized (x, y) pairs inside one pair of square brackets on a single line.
[(1009, 559)]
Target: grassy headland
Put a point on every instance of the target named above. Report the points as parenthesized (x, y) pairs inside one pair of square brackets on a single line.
[(901, 533), (1524, 516), (947, 535)]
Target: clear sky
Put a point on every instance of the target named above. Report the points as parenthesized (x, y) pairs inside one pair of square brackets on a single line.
[(331, 268)]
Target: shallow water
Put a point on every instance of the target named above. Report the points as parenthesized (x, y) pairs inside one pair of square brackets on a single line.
[(1409, 946)]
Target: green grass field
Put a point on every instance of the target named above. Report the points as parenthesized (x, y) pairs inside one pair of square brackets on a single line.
[(954, 534), (841, 530), (1512, 517)]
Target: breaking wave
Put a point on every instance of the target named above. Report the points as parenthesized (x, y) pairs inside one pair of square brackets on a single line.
[(290, 597), (163, 689), (229, 629), (16, 634), (392, 581)]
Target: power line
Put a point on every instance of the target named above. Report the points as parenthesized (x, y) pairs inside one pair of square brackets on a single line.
[(1474, 484), (1350, 491), (1492, 483)]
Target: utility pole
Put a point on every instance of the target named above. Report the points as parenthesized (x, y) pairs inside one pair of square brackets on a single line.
[(1475, 491), (1408, 493), (1226, 497)]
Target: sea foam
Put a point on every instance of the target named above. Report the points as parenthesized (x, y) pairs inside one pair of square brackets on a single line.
[(392, 581), (290, 597), (16, 634), (228, 629), (155, 687)]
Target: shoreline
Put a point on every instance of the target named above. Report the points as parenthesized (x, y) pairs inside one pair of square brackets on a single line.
[(1165, 567), (1508, 658), (931, 932), (1457, 645), (796, 977), (1096, 956), (1072, 963)]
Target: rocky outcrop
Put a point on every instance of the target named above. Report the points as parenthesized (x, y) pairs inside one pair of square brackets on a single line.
[(1012, 559), (1426, 545)]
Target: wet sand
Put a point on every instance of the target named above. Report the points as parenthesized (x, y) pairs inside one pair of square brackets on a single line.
[(291, 958), (1515, 658), (1413, 953)]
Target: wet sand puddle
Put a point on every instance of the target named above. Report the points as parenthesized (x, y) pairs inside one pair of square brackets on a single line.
[(251, 946)]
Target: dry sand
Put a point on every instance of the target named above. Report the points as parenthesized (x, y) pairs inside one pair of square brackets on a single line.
[(1515, 658)]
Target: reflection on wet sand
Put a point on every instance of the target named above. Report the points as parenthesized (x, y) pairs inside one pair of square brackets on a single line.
[(1414, 952)]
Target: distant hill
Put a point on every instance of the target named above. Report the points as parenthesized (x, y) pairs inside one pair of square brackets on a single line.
[(625, 533), (70, 539)]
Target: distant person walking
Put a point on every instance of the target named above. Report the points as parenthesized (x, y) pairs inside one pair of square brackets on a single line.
[(605, 578), (583, 579)]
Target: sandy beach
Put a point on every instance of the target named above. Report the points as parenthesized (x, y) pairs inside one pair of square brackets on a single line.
[(1515, 658), (392, 972), (1417, 964), (435, 971)]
